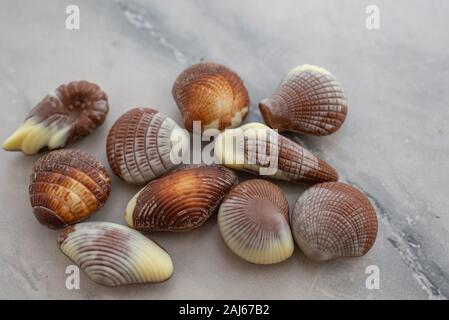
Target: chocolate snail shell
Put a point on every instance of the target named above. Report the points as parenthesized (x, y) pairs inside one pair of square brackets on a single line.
[(309, 100), (114, 255), (139, 145), (67, 186), (213, 94), (181, 200), (253, 220), (257, 149), (70, 112), (332, 220)]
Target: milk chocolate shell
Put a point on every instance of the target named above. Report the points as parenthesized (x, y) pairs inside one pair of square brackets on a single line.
[(212, 94), (253, 221), (309, 100), (181, 200), (333, 220), (67, 186), (70, 112), (139, 145)]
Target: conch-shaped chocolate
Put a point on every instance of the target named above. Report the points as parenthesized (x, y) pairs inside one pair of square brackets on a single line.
[(257, 149)]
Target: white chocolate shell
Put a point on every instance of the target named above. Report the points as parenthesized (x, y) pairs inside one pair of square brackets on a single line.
[(115, 255), (332, 220), (253, 220), (62, 117), (213, 94), (140, 145), (181, 200), (67, 186), (309, 100), (259, 150)]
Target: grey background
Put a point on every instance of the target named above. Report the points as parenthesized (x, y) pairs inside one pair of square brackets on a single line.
[(393, 145)]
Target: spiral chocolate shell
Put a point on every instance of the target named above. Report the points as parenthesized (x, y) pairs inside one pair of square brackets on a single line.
[(70, 112), (213, 94), (332, 220), (257, 149), (309, 100), (253, 221), (139, 145), (181, 200), (114, 255), (67, 186)]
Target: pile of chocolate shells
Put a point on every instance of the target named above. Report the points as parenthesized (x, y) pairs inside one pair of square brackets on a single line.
[(329, 220)]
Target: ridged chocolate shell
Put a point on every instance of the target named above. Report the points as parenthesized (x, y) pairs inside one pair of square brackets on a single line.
[(309, 100), (332, 220), (72, 111), (257, 149), (180, 201), (139, 145), (67, 186), (114, 255), (253, 220), (213, 94)]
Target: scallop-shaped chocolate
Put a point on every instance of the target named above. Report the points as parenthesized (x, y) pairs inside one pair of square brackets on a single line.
[(70, 112), (212, 94), (114, 255), (140, 145), (309, 100), (253, 220), (332, 220), (67, 186), (257, 149), (181, 200)]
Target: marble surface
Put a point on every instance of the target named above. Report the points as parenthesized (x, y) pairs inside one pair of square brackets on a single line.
[(394, 144)]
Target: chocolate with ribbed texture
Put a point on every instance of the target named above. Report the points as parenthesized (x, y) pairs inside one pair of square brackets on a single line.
[(332, 220), (181, 200)]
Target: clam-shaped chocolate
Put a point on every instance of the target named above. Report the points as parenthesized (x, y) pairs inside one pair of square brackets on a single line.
[(70, 112), (140, 145), (309, 100), (259, 150), (332, 220), (181, 200), (67, 186), (253, 221), (212, 94), (114, 255)]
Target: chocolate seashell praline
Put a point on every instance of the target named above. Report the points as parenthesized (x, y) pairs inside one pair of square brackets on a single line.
[(333, 220), (67, 186), (212, 94), (253, 221), (139, 145), (114, 255), (259, 150), (309, 100), (181, 200), (72, 111)]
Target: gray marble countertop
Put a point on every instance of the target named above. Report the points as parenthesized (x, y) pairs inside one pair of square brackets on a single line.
[(394, 144)]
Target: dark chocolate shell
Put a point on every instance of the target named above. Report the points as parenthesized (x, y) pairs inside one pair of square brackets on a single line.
[(139, 145), (70, 112), (213, 94), (67, 186), (309, 100), (332, 220), (253, 221), (181, 200)]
